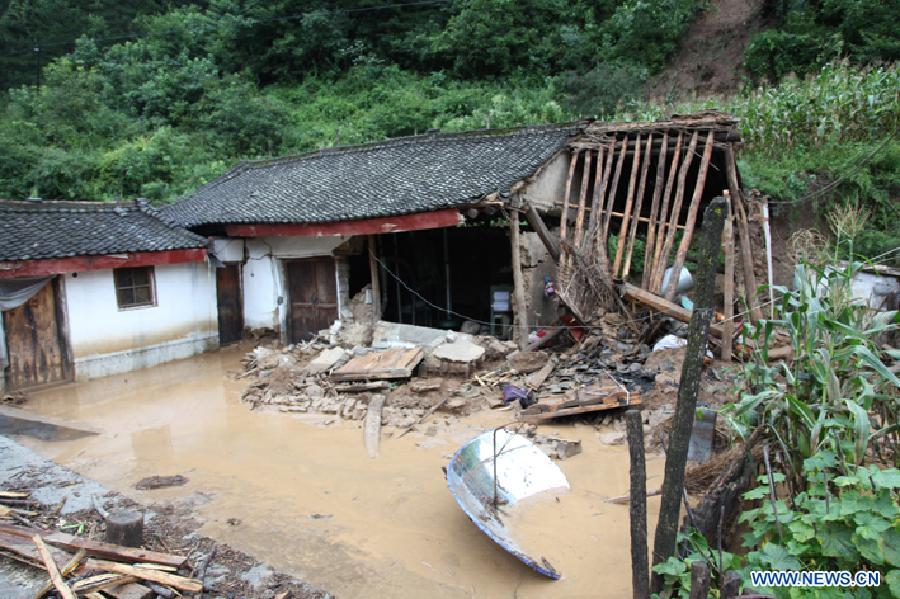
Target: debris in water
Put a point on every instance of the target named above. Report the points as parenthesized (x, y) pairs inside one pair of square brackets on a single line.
[(499, 468), (151, 483)]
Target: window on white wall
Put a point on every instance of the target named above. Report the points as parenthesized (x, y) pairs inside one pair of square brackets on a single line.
[(134, 287)]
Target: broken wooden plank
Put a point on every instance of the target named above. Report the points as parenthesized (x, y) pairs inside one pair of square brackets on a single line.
[(662, 305), (67, 569), (384, 364), (564, 217), (676, 212), (94, 548), (537, 378), (728, 287), (635, 400), (537, 225), (629, 199), (582, 198), (22, 549), (664, 218), (52, 569), (13, 495), (639, 204), (373, 425), (173, 580), (691, 219), (100, 582), (750, 285), (650, 243), (362, 387), (611, 198)]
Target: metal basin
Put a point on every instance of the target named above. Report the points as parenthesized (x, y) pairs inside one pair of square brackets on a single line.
[(522, 471)]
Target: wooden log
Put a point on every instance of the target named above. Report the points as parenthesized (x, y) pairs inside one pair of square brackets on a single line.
[(663, 218), (373, 425), (699, 580), (638, 205), (173, 580), (95, 548), (728, 287), (521, 311), (124, 527), (660, 304), (564, 218), (374, 276), (537, 224), (611, 197), (52, 569), (691, 219), (650, 242), (750, 284), (640, 564), (582, 199), (688, 388), (629, 200)]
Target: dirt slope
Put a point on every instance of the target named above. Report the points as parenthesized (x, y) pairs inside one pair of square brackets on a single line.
[(708, 60)]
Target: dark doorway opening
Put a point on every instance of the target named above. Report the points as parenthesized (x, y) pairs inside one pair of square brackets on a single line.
[(439, 277), (311, 295), (228, 299)]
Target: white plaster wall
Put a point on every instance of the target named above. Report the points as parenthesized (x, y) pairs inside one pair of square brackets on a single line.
[(108, 340), (550, 186), (228, 250), (265, 295)]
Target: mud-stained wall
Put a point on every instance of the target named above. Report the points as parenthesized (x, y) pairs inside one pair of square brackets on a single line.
[(536, 266), (108, 340), (549, 186), (265, 295)]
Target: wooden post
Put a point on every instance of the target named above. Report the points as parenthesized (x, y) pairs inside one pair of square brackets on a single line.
[(598, 219), (564, 217), (744, 235), (666, 248), (728, 246), (596, 202), (639, 203), (611, 198), (582, 199), (521, 314), (699, 580), (124, 527), (626, 212), (640, 566), (680, 435), (731, 585), (376, 282), (694, 208), (537, 223), (654, 212)]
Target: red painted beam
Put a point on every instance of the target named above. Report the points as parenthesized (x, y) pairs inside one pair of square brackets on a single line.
[(370, 226), (52, 266)]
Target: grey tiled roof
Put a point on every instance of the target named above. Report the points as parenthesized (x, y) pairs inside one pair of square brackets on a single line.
[(400, 176), (48, 229)]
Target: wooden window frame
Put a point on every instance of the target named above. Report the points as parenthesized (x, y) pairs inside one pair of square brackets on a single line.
[(151, 270)]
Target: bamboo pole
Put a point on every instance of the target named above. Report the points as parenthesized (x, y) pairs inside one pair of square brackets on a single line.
[(750, 285), (663, 216), (650, 242), (611, 198), (582, 199), (691, 220), (564, 218), (639, 204), (676, 212), (629, 199), (728, 289)]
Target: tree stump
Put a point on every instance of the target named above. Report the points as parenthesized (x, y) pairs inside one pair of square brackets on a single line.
[(124, 527)]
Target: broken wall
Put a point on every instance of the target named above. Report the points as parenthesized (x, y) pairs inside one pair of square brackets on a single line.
[(536, 266)]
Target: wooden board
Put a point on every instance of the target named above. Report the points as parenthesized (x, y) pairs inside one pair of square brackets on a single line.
[(385, 364), (23, 550), (610, 402)]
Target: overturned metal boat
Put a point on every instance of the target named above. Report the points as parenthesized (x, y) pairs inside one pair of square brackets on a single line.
[(493, 472)]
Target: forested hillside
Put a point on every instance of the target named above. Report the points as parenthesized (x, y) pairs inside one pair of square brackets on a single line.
[(122, 99)]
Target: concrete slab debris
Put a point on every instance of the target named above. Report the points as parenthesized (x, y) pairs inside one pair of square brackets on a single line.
[(327, 360), (459, 351)]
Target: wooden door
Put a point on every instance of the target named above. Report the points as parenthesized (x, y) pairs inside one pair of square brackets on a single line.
[(228, 299), (313, 297), (34, 342)]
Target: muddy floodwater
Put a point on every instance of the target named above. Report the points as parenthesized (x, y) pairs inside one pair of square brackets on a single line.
[(306, 498)]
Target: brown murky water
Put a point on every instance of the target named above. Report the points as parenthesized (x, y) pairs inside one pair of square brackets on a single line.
[(393, 529)]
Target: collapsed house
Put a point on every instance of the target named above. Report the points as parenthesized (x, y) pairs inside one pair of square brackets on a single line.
[(89, 289)]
